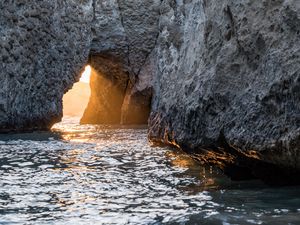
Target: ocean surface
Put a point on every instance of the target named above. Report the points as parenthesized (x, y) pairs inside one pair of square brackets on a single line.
[(81, 175)]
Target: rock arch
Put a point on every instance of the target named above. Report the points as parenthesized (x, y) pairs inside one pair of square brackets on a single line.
[(45, 46), (124, 36), (224, 70)]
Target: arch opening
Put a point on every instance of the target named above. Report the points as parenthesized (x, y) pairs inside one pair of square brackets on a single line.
[(105, 94), (109, 83), (76, 99)]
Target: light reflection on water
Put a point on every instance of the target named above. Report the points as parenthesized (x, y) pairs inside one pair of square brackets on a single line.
[(105, 175)]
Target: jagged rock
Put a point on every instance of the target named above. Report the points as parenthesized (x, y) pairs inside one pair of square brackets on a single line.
[(127, 31), (44, 46), (136, 106), (230, 68), (218, 70), (137, 103)]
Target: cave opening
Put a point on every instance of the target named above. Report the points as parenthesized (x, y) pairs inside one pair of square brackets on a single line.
[(76, 99), (106, 94)]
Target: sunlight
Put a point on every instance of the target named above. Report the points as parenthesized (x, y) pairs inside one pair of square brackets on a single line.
[(76, 99), (86, 75)]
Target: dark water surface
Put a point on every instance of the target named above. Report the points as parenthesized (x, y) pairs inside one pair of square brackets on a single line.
[(104, 175)]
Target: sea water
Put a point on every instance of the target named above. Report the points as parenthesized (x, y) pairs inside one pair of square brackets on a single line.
[(111, 175)]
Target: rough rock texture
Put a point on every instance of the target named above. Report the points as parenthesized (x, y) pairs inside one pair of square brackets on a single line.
[(43, 48), (137, 103), (127, 31), (230, 70), (225, 73)]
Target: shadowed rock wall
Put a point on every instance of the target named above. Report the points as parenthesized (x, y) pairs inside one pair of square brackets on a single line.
[(126, 31), (108, 88)]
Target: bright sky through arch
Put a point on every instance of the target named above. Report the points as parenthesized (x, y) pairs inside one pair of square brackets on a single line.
[(86, 75)]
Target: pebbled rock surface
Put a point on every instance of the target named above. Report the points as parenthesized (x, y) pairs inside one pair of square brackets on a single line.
[(43, 48), (230, 70)]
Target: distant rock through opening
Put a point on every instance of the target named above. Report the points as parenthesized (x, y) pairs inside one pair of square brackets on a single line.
[(106, 95), (108, 85), (76, 99)]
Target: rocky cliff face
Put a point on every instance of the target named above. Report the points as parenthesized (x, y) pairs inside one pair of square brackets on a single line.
[(124, 34), (230, 71), (225, 74), (43, 48)]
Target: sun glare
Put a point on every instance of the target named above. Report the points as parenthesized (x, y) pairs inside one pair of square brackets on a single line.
[(76, 99), (86, 75)]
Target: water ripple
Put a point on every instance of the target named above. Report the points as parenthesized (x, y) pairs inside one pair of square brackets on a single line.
[(111, 175)]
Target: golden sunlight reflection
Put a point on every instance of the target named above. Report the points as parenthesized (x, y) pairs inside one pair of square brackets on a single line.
[(76, 100), (206, 175)]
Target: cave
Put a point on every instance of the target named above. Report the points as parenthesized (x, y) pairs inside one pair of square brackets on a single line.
[(112, 98)]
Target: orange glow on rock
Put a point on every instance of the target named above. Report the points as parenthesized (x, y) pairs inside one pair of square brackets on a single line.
[(76, 99)]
